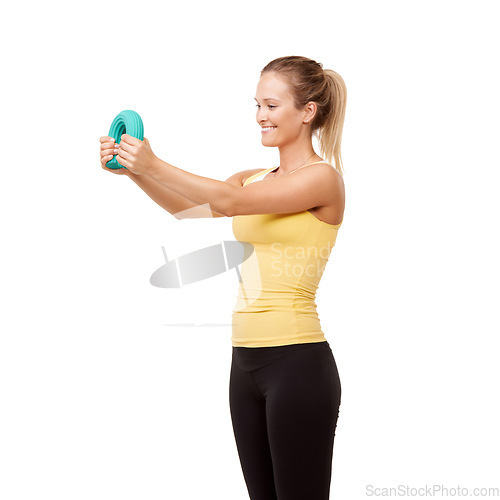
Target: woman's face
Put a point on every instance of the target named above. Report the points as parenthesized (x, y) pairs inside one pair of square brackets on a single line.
[(275, 109)]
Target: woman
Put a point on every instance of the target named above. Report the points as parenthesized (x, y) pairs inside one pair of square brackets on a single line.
[(284, 388)]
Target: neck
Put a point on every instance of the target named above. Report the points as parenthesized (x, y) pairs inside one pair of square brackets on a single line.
[(293, 155)]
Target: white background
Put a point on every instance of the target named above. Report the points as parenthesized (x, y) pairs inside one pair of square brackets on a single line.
[(99, 398)]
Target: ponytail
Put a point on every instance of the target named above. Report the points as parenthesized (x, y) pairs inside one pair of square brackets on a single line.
[(330, 133)]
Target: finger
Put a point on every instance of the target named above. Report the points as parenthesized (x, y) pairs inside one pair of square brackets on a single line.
[(124, 154), (125, 147), (105, 159), (107, 147), (130, 140), (106, 138), (109, 151), (121, 161)]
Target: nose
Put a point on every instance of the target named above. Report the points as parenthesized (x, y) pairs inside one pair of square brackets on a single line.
[(261, 115)]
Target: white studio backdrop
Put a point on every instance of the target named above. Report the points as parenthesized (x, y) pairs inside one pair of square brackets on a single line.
[(111, 388)]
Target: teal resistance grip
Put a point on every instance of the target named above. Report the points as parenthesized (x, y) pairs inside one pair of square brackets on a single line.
[(127, 122)]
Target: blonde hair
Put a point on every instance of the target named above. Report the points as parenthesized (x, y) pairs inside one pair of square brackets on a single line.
[(308, 81)]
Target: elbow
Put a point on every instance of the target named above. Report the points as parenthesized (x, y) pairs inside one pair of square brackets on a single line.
[(229, 211), (230, 208)]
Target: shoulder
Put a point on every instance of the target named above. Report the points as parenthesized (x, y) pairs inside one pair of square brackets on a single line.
[(332, 174), (335, 180), (323, 171), (239, 178), (324, 178)]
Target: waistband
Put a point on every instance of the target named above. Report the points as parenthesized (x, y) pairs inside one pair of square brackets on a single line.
[(253, 358)]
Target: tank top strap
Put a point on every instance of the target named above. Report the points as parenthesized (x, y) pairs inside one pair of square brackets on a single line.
[(254, 177), (309, 164)]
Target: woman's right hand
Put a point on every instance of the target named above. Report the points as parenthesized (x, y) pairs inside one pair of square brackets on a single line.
[(108, 150)]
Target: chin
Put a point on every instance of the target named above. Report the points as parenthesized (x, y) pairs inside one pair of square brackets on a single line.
[(267, 144)]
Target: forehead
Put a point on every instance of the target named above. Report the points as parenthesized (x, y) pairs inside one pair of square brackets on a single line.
[(271, 85)]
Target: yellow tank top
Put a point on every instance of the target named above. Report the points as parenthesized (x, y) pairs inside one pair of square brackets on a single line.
[(278, 282)]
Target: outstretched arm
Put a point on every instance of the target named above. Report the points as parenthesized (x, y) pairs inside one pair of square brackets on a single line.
[(171, 201), (199, 190), (137, 156), (179, 206)]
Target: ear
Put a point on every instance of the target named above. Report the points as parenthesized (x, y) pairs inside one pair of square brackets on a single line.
[(310, 111)]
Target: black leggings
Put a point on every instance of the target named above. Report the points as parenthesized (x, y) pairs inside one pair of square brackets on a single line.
[(284, 404)]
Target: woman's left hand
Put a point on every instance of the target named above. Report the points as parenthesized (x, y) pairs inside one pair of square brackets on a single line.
[(135, 154)]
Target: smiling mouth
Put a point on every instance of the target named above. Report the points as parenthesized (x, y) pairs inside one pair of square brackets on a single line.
[(265, 129)]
